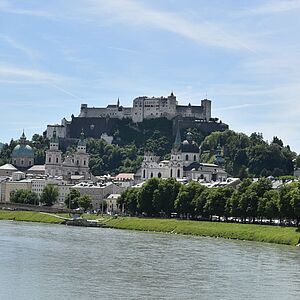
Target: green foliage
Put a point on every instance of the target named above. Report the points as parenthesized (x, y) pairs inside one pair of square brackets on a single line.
[(49, 195), (249, 156), (253, 200), (85, 202), (24, 197), (72, 199)]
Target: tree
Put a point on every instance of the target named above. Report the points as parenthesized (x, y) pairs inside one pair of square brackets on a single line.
[(72, 199), (185, 203), (85, 202), (24, 197), (129, 199), (145, 200), (164, 197), (295, 204), (49, 195)]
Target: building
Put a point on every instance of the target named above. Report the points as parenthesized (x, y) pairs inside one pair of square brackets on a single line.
[(112, 204), (100, 122), (97, 191), (184, 163), (22, 156), (74, 164)]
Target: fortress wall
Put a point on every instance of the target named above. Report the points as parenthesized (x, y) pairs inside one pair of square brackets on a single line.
[(92, 127)]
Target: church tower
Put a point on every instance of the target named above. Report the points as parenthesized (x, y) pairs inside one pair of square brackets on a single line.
[(53, 157), (176, 163), (81, 158)]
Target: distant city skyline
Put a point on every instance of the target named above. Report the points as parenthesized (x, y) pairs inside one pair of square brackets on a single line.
[(243, 55)]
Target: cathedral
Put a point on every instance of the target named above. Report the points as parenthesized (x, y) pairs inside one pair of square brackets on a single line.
[(75, 164), (22, 156), (184, 163)]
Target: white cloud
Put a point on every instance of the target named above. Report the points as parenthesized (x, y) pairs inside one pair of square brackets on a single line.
[(18, 73), (134, 13), (32, 54), (275, 7)]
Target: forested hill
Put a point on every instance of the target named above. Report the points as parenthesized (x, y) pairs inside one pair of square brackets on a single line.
[(250, 155), (244, 155)]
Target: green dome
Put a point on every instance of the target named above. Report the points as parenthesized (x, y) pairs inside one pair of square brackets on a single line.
[(22, 151)]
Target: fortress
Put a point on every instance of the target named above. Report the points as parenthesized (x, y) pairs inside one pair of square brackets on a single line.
[(100, 122)]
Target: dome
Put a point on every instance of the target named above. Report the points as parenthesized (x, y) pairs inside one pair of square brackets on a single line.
[(188, 145), (22, 150)]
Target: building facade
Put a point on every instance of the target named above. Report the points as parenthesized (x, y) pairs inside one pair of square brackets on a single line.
[(75, 164), (184, 163)]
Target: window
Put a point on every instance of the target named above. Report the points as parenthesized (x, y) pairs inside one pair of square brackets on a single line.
[(151, 175), (57, 160), (171, 173), (22, 162), (195, 157), (178, 173), (144, 174), (84, 162), (187, 157), (49, 160), (15, 162), (159, 175)]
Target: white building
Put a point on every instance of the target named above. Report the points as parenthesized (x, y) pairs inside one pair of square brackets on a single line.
[(97, 191), (184, 163), (75, 164)]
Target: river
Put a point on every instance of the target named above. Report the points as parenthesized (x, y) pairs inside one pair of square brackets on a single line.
[(40, 261)]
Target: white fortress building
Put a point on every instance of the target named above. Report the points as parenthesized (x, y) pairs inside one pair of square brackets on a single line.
[(100, 120), (149, 108), (75, 164)]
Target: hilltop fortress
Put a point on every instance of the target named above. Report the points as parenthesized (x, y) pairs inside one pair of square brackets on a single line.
[(100, 122)]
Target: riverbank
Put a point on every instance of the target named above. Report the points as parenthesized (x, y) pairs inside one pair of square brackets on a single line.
[(249, 232)]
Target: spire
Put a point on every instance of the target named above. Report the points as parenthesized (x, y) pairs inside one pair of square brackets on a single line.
[(219, 157), (177, 142), (54, 138), (81, 140), (23, 138)]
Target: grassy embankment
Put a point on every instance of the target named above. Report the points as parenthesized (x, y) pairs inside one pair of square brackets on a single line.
[(30, 216), (250, 232)]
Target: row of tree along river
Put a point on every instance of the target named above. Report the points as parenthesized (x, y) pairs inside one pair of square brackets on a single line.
[(251, 202)]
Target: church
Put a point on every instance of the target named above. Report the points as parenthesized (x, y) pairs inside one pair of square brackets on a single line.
[(74, 164), (183, 164)]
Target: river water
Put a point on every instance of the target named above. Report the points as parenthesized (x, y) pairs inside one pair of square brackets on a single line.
[(40, 261)]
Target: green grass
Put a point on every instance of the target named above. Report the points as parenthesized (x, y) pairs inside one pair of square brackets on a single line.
[(249, 232), (30, 216)]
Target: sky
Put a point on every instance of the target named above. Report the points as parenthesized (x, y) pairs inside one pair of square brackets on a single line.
[(243, 55)]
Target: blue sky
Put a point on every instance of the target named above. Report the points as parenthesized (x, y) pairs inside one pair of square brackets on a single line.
[(244, 55)]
